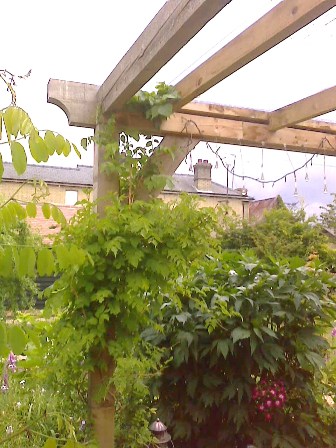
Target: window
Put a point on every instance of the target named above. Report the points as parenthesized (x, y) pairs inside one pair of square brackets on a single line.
[(71, 197)]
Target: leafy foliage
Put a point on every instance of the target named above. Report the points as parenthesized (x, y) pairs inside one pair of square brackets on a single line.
[(241, 320), (17, 291), (328, 215), (155, 106), (281, 234)]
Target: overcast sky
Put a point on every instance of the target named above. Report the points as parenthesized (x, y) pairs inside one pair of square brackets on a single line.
[(81, 40)]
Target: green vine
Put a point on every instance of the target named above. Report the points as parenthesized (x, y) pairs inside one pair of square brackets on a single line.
[(156, 106)]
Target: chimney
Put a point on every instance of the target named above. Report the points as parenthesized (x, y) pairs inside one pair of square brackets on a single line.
[(202, 175)]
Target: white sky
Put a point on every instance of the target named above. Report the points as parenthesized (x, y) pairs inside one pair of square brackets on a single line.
[(81, 40)]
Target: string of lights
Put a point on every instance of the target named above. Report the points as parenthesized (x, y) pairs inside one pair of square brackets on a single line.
[(261, 180)]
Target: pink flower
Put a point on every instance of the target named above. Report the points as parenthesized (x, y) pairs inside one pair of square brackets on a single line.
[(269, 403), (277, 403), (268, 417), (333, 332), (261, 408)]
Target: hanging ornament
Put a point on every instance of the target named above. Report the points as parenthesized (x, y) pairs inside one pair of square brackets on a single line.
[(216, 164), (262, 177), (296, 193), (306, 175), (325, 187)]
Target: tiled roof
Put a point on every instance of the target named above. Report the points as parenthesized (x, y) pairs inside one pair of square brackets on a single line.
[(258, 208), (184, 183), (81, 175)]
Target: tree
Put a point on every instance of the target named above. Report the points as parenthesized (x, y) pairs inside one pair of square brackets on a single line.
[(328, 216), (281, 234)]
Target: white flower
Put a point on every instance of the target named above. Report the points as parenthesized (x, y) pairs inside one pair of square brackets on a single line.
[(18, 404), (232, 272), (23, 382), (9, 429)]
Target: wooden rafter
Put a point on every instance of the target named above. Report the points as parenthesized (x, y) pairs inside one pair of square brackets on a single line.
[(274, 27), (235, 132), (174, 25), (310, 107), (251, 116)]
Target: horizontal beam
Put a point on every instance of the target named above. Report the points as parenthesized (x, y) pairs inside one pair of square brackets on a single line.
[(234, 132), (251, 116), (310, 107), (76, 99), (277, 25), (79, 102), (173, 26)]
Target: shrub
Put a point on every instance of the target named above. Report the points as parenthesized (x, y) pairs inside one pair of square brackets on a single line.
[(244, 328)]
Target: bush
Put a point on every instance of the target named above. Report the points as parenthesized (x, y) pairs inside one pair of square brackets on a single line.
[(245, 330)]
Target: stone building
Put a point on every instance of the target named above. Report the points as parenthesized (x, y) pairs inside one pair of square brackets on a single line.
[(67, 186)]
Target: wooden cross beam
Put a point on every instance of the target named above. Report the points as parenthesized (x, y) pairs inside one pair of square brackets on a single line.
[(235, 132), (174, 25), (310, 107), (277, 25)]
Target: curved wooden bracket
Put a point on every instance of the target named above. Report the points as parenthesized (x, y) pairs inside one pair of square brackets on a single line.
[(77, 100)]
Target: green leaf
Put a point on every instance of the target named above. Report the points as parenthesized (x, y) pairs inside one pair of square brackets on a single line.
[(50, 141), (50, 443), (17, 339), (27, 260), (31, 209), (223, 347), (38, 148), (19, 157), (46, 210), (165, 110), (240, 333), (45, 262), (270, 332)]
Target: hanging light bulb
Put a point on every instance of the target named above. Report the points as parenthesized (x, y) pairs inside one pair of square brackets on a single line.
[(306, 176), (216, 164)]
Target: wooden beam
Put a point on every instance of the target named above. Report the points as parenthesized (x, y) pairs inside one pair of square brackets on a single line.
[(166, 162), (251, 116), (173, 26), (277, 25), (76, 99), (310, 107), (234, 132)]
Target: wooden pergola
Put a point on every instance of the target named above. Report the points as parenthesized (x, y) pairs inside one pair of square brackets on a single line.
[(178, 21), (290, 128)]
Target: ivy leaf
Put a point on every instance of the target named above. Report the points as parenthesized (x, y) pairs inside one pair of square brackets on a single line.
[(17, 339), (19, 157), (240, 333)]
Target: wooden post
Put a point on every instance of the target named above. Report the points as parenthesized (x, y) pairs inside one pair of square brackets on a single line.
[(102, 407)]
